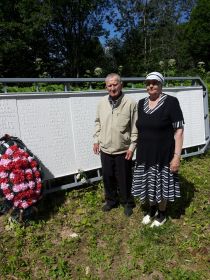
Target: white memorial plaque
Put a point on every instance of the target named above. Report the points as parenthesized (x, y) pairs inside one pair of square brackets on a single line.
[(9, 118), (83, 110), (46, 129), (191, 103)]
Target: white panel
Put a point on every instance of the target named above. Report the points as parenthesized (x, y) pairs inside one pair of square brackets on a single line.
[(192, 106), (83, 111), (191, 103), (45, 126), (9, 118)]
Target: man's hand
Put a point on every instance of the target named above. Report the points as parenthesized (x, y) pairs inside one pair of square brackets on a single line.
[(129, 155), (96, 149)]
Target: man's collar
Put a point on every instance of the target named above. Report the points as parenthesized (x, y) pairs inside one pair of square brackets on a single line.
[(119, 97), (115, 102)]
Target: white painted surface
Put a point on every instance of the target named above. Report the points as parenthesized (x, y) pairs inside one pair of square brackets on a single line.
[(9, 117), (58, 129)]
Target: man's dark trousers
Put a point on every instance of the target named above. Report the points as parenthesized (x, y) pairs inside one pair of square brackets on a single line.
[(117, 178)]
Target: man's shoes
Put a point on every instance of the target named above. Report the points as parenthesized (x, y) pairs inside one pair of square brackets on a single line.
[(159, 220), (108, 207), (128, 211)]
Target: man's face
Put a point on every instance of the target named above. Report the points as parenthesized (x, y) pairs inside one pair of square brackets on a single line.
[(114, 87)]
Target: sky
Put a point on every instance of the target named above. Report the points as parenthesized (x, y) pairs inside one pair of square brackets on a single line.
[(110, 28)]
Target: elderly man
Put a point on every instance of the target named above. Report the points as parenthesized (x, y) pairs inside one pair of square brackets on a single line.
[(115, 139)]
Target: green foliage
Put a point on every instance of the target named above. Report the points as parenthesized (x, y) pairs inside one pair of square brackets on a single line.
[(57, 38), (22, 38), (44, 87), (198, 32), (151, 33), (61, 38)]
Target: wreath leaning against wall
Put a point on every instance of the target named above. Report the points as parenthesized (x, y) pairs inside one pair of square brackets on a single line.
[(20, 178)]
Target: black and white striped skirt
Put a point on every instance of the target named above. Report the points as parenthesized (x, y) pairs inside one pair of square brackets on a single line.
[(153, 185)]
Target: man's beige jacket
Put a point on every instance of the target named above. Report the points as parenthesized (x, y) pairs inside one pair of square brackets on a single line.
[(115, 129)]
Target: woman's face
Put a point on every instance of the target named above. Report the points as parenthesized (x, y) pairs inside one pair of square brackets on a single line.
[(154, 87)]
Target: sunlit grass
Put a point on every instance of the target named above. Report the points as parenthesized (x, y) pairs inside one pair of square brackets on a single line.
[(71, 238)]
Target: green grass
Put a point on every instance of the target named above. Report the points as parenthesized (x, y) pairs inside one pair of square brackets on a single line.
[(110, 245)]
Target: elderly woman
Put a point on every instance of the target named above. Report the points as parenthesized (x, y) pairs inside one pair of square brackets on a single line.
[(160, 129)]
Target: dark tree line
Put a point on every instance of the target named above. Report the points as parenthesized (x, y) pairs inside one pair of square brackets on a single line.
[(60, 38)]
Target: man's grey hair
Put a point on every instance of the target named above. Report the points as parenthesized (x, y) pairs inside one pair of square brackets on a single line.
[(113, 75)]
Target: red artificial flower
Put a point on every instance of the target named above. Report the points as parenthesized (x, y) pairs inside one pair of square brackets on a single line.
[(5, 156), (17, 165), (19, 196), (24, 163), (3, 168), (25, 154), (3, 180), (37, 174), (16, 154), (6, 191), (10, 166), (14, 147), (39, 186), (33, 163), (29, 176)]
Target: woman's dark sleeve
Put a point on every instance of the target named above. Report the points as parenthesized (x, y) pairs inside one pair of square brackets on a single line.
[(176, 114)]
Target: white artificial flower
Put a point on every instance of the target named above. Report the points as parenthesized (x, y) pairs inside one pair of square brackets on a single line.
[(78, 176), (83, 181)]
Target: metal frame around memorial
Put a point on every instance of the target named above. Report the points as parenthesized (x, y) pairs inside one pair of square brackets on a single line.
[(71, 181)]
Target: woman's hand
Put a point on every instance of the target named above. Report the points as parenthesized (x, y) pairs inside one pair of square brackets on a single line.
[(175, 163)]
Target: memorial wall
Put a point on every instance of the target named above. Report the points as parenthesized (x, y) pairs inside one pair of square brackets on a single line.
[(58, 128)]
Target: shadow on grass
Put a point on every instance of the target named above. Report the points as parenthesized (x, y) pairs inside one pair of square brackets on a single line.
[(51, 202), (177, 208), (49, 205)]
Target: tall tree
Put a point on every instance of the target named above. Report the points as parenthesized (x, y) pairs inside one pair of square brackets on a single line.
[(198, 33), (22, 39), (73, 33), (149, 30), (57, 37)]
